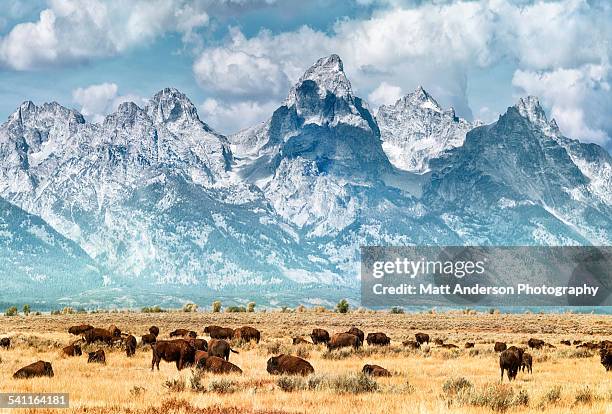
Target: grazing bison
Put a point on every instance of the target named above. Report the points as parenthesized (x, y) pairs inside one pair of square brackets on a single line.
[(576, 342), (411, 344), (378, 338), (357, 332), (199, 344), (198, 356), (421, 338), (98, 356), (566, 342), (79, 329), (130, 345), (72, 350), (114, 331), (527, 362), (217, 365), (220, 348), (247, 334), (37, 369), (319, 336), (177, 350), (606, 358), (510, 360), (218, 332), (154, 330), (298, 341), (535, 343), (605, 344), (341, 340), (589, 345), (98, 335), (5, 343), (500, 346), (469, 345), (179, 332), (289, 365), (149, 339), (375, 371), (191, 334), (438, 342)]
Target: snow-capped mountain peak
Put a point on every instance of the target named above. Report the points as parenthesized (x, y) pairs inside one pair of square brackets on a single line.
[(529, 107), (328, 74)]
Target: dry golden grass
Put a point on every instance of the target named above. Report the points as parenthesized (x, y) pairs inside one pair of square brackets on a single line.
[(561, 382)]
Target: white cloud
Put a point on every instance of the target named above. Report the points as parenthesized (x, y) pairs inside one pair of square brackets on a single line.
[(97, 101), (77, 30), (229, 118), (385, 94)]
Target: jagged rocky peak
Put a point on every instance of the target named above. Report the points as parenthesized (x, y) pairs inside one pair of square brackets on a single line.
[(421, 98), (170, 106), (328, 74), (48, 112), (530, 108)]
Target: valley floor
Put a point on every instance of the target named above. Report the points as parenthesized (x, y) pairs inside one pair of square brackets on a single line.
[(564, 379)]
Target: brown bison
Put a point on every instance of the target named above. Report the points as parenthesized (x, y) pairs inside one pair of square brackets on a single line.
[(5, 343), (218, 332), (357, 332), (149, 339), (98, 335), (341, 340), (421, 338), (289, 365), (217, 365), (375, 371), (469, 345), (319, 336), (114, 331), (527, 362), (179, 332), (72, 350), (566, 342), (576, 342), (510, 360), (500, 346), (154, 330), (411, 344), (130, 345), (247, 334), (589, 345), (450, 346), (378, 338), (605, 344), (97, 356), (220, 348), (535, 343), (37, 369), (606, 358), (198, 356), (199, 344), (299, 341), (79, 329), (177, 350), (438, 342)]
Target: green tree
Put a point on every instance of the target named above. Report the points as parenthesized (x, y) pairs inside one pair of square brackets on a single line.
[(216, 306), (342, 306), (26, 309), (12, 311), (190, 307), (251, 307)]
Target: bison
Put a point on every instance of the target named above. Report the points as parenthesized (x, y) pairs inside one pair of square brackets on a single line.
[(319, 336), (510, 360), (154, 330), (375, 371), (72, 350), (566, 342), (220, 348), (149, 339), (449, 346), (378, 338), (114, 331), (535, 343), (438, 341), (97, 356), (5, 343), (299, 341), (341, 340), (98, 335), (217, 365), (218, 332), (289, 365), (179, 332), (469, 345), (606, 358), (411, 344), (527, 362), (421, 338), (79, 329), (178, 350), (500, 346), (199, 344), (357, 332), (37, 369), (130, 345), (247, 334)]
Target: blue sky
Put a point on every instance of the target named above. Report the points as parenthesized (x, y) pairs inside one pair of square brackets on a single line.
[(236, 59)]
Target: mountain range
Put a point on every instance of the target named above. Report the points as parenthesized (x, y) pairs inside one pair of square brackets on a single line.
[(152, 206)]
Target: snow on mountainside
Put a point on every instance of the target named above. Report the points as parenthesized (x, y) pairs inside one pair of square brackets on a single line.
[(160, 204), (416, 129)]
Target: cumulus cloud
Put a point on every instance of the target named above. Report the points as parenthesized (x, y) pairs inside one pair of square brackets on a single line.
[(232, 117), (77, 30), (97, 101)]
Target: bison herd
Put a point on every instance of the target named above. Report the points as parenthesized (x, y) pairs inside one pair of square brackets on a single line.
[(185, 349)]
